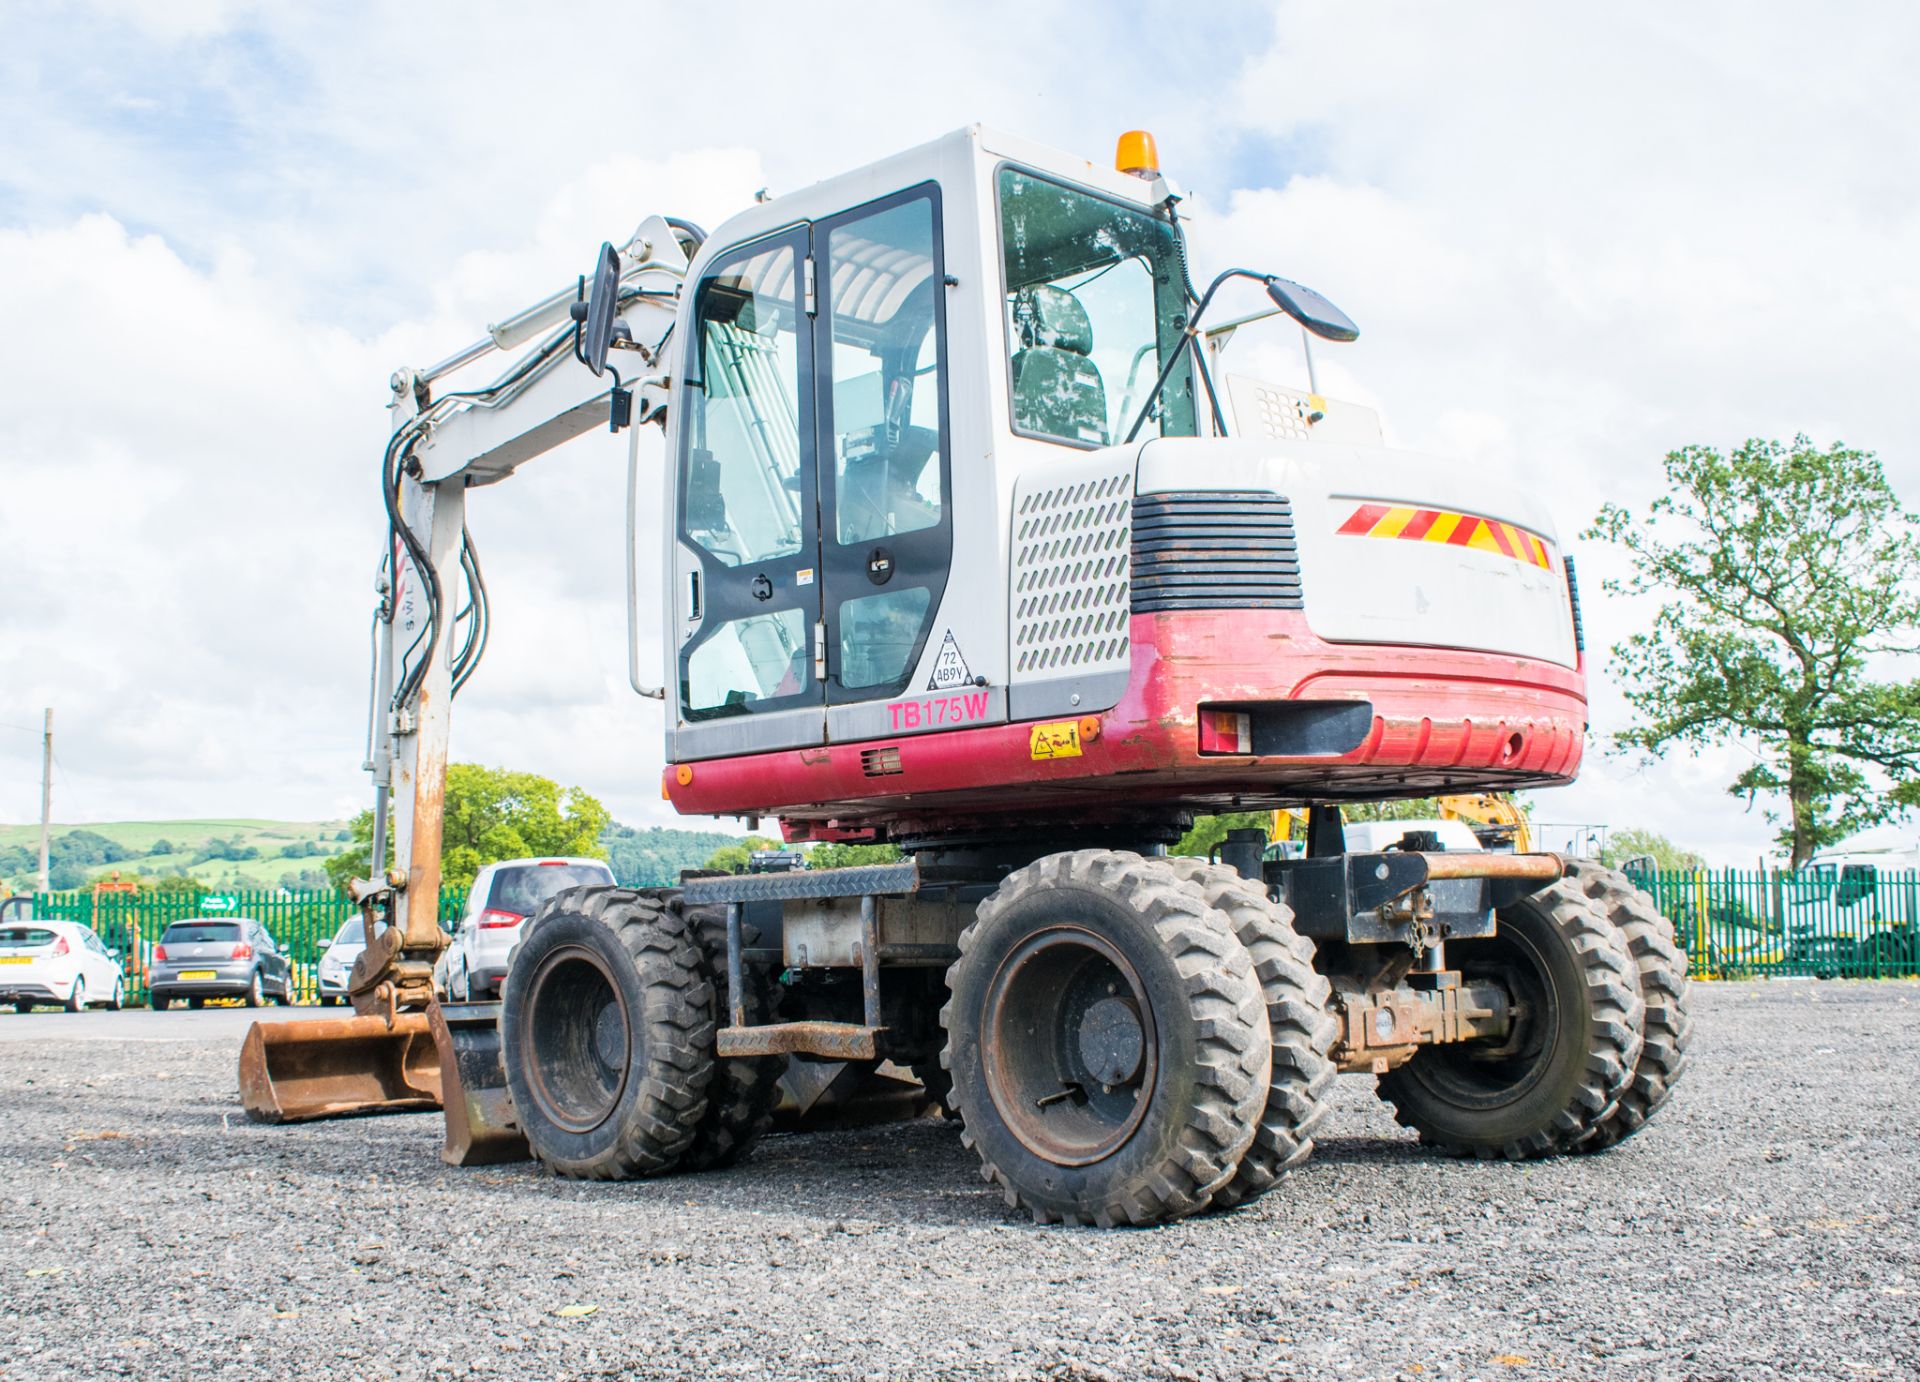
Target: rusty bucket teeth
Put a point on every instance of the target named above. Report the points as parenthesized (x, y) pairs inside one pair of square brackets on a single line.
[(291, 1072)]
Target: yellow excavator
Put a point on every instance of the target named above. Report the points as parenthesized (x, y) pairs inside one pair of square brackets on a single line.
[(1496, 820)]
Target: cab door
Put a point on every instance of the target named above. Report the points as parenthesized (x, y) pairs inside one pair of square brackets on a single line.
[(747, 588), (815, 528), (885, 470)]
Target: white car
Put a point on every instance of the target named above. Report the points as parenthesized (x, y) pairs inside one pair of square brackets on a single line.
[(336, 961), (503, 896), (56, 962)]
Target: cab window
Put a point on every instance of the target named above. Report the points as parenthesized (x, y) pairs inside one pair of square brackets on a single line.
[(744, 485), (1095, 306)]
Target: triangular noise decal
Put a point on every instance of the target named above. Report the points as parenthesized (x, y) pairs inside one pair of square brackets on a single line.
[(950, 668)]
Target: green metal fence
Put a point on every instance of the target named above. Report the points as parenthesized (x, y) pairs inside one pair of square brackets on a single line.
[(132, 923), (1847, 921), (1829, 922)]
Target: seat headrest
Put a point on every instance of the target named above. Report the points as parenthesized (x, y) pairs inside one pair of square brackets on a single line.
[(1048, 316)]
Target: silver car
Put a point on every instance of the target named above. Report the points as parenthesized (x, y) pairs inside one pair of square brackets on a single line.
[(336, 961), (219, 957)]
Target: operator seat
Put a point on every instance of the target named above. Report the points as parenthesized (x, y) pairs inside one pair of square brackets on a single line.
[(1057, 390)]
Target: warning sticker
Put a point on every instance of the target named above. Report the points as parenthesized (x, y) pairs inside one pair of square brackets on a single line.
[(1054, 739), (950, 668)]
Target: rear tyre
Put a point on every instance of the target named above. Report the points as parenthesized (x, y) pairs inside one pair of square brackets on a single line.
[(23, 1008), (1572, 1051), (1106, 1040), (160, 1002), (253, 995), (1661, 970), (1297, 998), (196, 1004), (607, 1034), (741, 1099), (77, 996), (119, 994)]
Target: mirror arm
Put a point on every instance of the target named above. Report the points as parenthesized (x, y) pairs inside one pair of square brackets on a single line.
[(1192, 332)]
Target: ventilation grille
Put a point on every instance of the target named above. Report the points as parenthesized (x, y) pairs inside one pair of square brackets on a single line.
[(1279, 417), (1224, 550), (1070, 577), (881, 762)]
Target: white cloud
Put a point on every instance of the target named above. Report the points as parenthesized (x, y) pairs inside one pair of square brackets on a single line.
[(1573, 239)]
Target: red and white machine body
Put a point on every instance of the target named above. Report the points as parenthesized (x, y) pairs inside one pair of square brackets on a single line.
[(1290, 612)]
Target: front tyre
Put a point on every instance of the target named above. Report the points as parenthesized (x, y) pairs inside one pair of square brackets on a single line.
[(607, 1034), (1106, 1041), (1575, 1041)]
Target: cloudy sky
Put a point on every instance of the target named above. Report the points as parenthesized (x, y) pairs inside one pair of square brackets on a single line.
[(1574, 236)]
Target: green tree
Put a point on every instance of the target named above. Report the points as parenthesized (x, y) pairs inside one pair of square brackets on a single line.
[(735, 857), (1634, 842), (493, 814), (1787, 573), (833, 856), (1209, 832)]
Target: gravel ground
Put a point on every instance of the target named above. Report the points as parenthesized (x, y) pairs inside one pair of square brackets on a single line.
[(1764, 1225)]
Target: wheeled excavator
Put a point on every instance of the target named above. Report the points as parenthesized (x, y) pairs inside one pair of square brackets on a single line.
[(970, 542)]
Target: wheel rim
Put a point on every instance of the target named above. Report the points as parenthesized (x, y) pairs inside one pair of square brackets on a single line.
[(1069, 1048), (1480, 1075), (576, 1030)]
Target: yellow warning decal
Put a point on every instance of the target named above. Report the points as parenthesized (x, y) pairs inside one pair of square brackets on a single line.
[(1054, 739), (1410, 524)]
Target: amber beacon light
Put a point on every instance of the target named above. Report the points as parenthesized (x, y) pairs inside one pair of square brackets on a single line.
[(1136, 154)]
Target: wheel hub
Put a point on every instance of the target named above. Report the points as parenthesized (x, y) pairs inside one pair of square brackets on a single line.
[(1112, 1042)]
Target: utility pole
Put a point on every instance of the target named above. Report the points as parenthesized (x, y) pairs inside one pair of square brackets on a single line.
[(46, 797)]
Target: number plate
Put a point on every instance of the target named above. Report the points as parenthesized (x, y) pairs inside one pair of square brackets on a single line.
[(16, 959), (188, 976)]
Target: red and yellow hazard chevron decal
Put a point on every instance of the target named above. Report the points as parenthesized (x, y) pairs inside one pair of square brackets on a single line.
[(1410, 524)]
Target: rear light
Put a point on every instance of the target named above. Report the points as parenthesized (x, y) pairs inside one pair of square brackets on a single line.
[(491, 918), (160, 954), (1225, 731), (553, 863), (243, 951), (60, 945)]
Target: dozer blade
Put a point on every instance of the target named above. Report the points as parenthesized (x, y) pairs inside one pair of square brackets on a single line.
[(481, 1128), (291, 1072)]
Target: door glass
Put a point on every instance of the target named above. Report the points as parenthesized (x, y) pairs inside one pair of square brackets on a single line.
[(878, 634), (887, 374), (888, 535), (744, 500), (762, 657)]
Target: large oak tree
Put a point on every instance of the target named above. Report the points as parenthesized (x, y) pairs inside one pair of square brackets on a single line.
[(1788, 579)]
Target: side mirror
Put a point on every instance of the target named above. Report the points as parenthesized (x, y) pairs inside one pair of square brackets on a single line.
[(599, 312), (1311, 310)]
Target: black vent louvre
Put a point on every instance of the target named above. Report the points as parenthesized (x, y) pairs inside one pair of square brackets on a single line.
[(1216, 550)]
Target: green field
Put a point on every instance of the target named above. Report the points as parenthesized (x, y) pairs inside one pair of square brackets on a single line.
[(190, 843), (289, 853)]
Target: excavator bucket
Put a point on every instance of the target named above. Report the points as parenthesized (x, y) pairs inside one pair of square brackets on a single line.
[(481, 1128), (291, 1072)]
